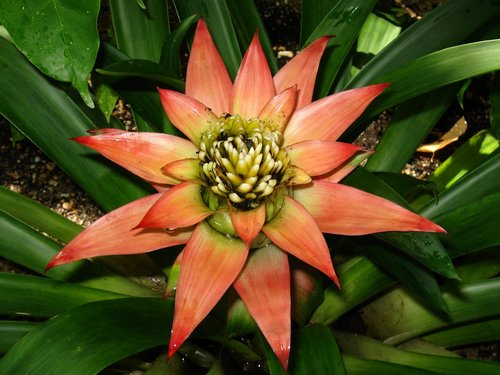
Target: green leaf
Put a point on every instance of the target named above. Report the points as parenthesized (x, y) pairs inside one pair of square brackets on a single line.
[(495, 105), (425, 247), (397, 316), (314, 351), (468, 156), (413, 276), (481, 265), (481, 181), (369, 348), (40, 297), (60, 38), (31, 249), (344, 20), (171, 53), (12, 331), (143, 69), (58, 118), (106, 98), (311, 14), (375, 34), (140, 31), (353, 276), (89, 338), (363, 366), (448, 24), (472, 226), (218, 19), (410, 124), (37, 216), (247, 21), (468, 334)]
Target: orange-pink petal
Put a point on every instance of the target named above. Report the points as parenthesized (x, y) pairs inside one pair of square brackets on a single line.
[(343, 170), (114, 234), (183, 170), (341, 209), (188, 115), (296, 232), (181, 206), (141, 153), (211, 262), (320, 157), (264, 287), (253, 86), (278, 110), (207, 79), (248, 223), (326, 119), (302, 71)]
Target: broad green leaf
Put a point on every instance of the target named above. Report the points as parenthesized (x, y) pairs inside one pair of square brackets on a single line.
[(368, 348), (448, 24), (481, 265), (425, 247), (217, 17), (315, 352), (171, 53), (31, 249), (37, 216), (89, 338), (468, 334), (58, 118), (439, 69), (412, 275), (12, 331), (375, 34), (143, 69), (468, 156), (106, 98), (481, 181), (353, 276), (40, 297), (410, 124), (239, 321), (405, 185), (472, 227), (312, 12), (343, 20), (60, 38), (363, 366), (397, 316), (247, 21), (140, 32)]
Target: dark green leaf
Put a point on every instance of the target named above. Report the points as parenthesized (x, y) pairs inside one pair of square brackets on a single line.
[(473, 226), (363, 366), (495, 105), (480, 265), (314, 351), (413, 276), (143, 69), (353, 276), (12, 331), (57, 119), (216, 15), (43, 298), (247, 21), (311, 15), (89, 338), (410, 124), (405, 185), (171, 54), (60, 38), (344, 20), (425, 247), (140, 32), (448, 24)]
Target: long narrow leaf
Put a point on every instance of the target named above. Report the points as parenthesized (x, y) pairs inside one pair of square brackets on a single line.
[(89, 338), (12, 331), (24, 92)]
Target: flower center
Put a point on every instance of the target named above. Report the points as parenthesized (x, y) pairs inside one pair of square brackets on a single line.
[(242, 160)]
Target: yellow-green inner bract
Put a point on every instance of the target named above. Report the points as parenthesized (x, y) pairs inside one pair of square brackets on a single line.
[(242, 160)]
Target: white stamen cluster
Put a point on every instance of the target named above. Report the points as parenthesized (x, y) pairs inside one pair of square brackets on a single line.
[(242, 160)]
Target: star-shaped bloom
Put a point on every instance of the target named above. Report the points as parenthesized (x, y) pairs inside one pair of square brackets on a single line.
[(255, 181)]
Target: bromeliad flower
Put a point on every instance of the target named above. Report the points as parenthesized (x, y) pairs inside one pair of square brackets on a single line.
[(255, 182)]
